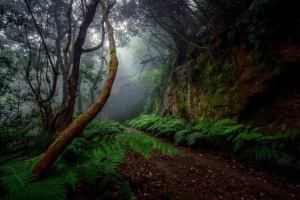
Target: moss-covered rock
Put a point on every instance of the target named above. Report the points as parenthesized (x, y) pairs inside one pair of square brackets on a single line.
[(233, 85)]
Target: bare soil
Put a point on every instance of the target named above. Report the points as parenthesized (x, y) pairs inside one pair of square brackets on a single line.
[(201, 174)]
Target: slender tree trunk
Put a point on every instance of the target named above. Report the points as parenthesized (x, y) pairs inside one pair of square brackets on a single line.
[(93, 87), (68, 117), (64, 67), (60, 65), (66, 137), (64, 91), (79, 100), (92, 94)]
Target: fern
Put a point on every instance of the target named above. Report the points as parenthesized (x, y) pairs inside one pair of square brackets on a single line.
[(157, 124), (224, 127), (195, 136), (98, 152), (14, 177), (289, 134), (247, 135), (180, 136), (50, 188), (227, 135), (69, 172), (203, 125), (255, 4), (95, 128), (144, 121), (144, 143), (20, 183)]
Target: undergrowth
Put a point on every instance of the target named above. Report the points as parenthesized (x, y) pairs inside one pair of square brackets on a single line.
[(95, 155), (229, 136)]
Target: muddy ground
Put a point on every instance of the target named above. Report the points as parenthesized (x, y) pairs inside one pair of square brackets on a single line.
[(202, 174)]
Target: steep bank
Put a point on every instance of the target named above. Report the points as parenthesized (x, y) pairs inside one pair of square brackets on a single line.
[(241, 64), (235, 85)]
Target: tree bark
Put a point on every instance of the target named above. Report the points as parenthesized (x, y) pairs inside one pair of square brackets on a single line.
[(68, 117), (79, 100), (66, 137), (59, 62), (92, 95)]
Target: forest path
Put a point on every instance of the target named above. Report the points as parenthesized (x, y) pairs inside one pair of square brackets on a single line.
[(196, 175)]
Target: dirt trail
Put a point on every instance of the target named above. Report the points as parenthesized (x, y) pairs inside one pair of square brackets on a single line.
[(195, 176)]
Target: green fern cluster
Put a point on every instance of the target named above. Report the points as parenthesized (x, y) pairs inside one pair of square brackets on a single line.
[(101, 128), (246, 140), (144, 121), (97, 153), (20, 183), (22, 134), (229, 136), (157, 124)]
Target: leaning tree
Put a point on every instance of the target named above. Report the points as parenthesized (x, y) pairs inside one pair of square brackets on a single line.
[(75, 127)]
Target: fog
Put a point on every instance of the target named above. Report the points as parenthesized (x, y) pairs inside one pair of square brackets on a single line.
[(35, 79), (130, 88)]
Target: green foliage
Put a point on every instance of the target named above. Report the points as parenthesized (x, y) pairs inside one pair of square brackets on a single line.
[(180, 136), (20, 183), (157, 80), (22, 134), (97, 153), (157, 124), (10, 16), (254, 23), (191, 138), (106, 127), (144, 121), (112, 51), (144, 143), (228, 135)]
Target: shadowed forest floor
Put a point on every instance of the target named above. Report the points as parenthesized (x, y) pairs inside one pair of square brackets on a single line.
[(202, 174)]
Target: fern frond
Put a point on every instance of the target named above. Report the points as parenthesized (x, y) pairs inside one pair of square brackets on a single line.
[(180, 136), (70, 174), (15, 177), (234, 128), (21, 184), (203, 125), (143, 144), (238, 144), (245, 136), (191, 139)]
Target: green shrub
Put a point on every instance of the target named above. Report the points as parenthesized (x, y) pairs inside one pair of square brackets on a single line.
[(157, 124), (98, 152), (228, 135)]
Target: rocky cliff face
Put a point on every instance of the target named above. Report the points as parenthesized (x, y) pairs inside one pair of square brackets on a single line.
[(237, 86)]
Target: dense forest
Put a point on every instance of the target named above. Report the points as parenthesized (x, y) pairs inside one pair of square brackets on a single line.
[(149, 99)]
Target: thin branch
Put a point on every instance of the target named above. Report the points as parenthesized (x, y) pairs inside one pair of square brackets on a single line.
[(190, 42), (99, 45)]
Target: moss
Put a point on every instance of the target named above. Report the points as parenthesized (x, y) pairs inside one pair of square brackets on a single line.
[(191, 63), (203, 102), (210, 93), (156, 109), (181, 98), (190, 51), (218, 79), (112, 51), (259, 68), (220, 98), (218, 86)]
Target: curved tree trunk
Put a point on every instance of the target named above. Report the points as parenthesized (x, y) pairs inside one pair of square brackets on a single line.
[(79, 99), (74, 75), (66, 137)]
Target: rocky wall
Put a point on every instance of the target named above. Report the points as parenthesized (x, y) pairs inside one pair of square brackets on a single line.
[(237, 86)]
